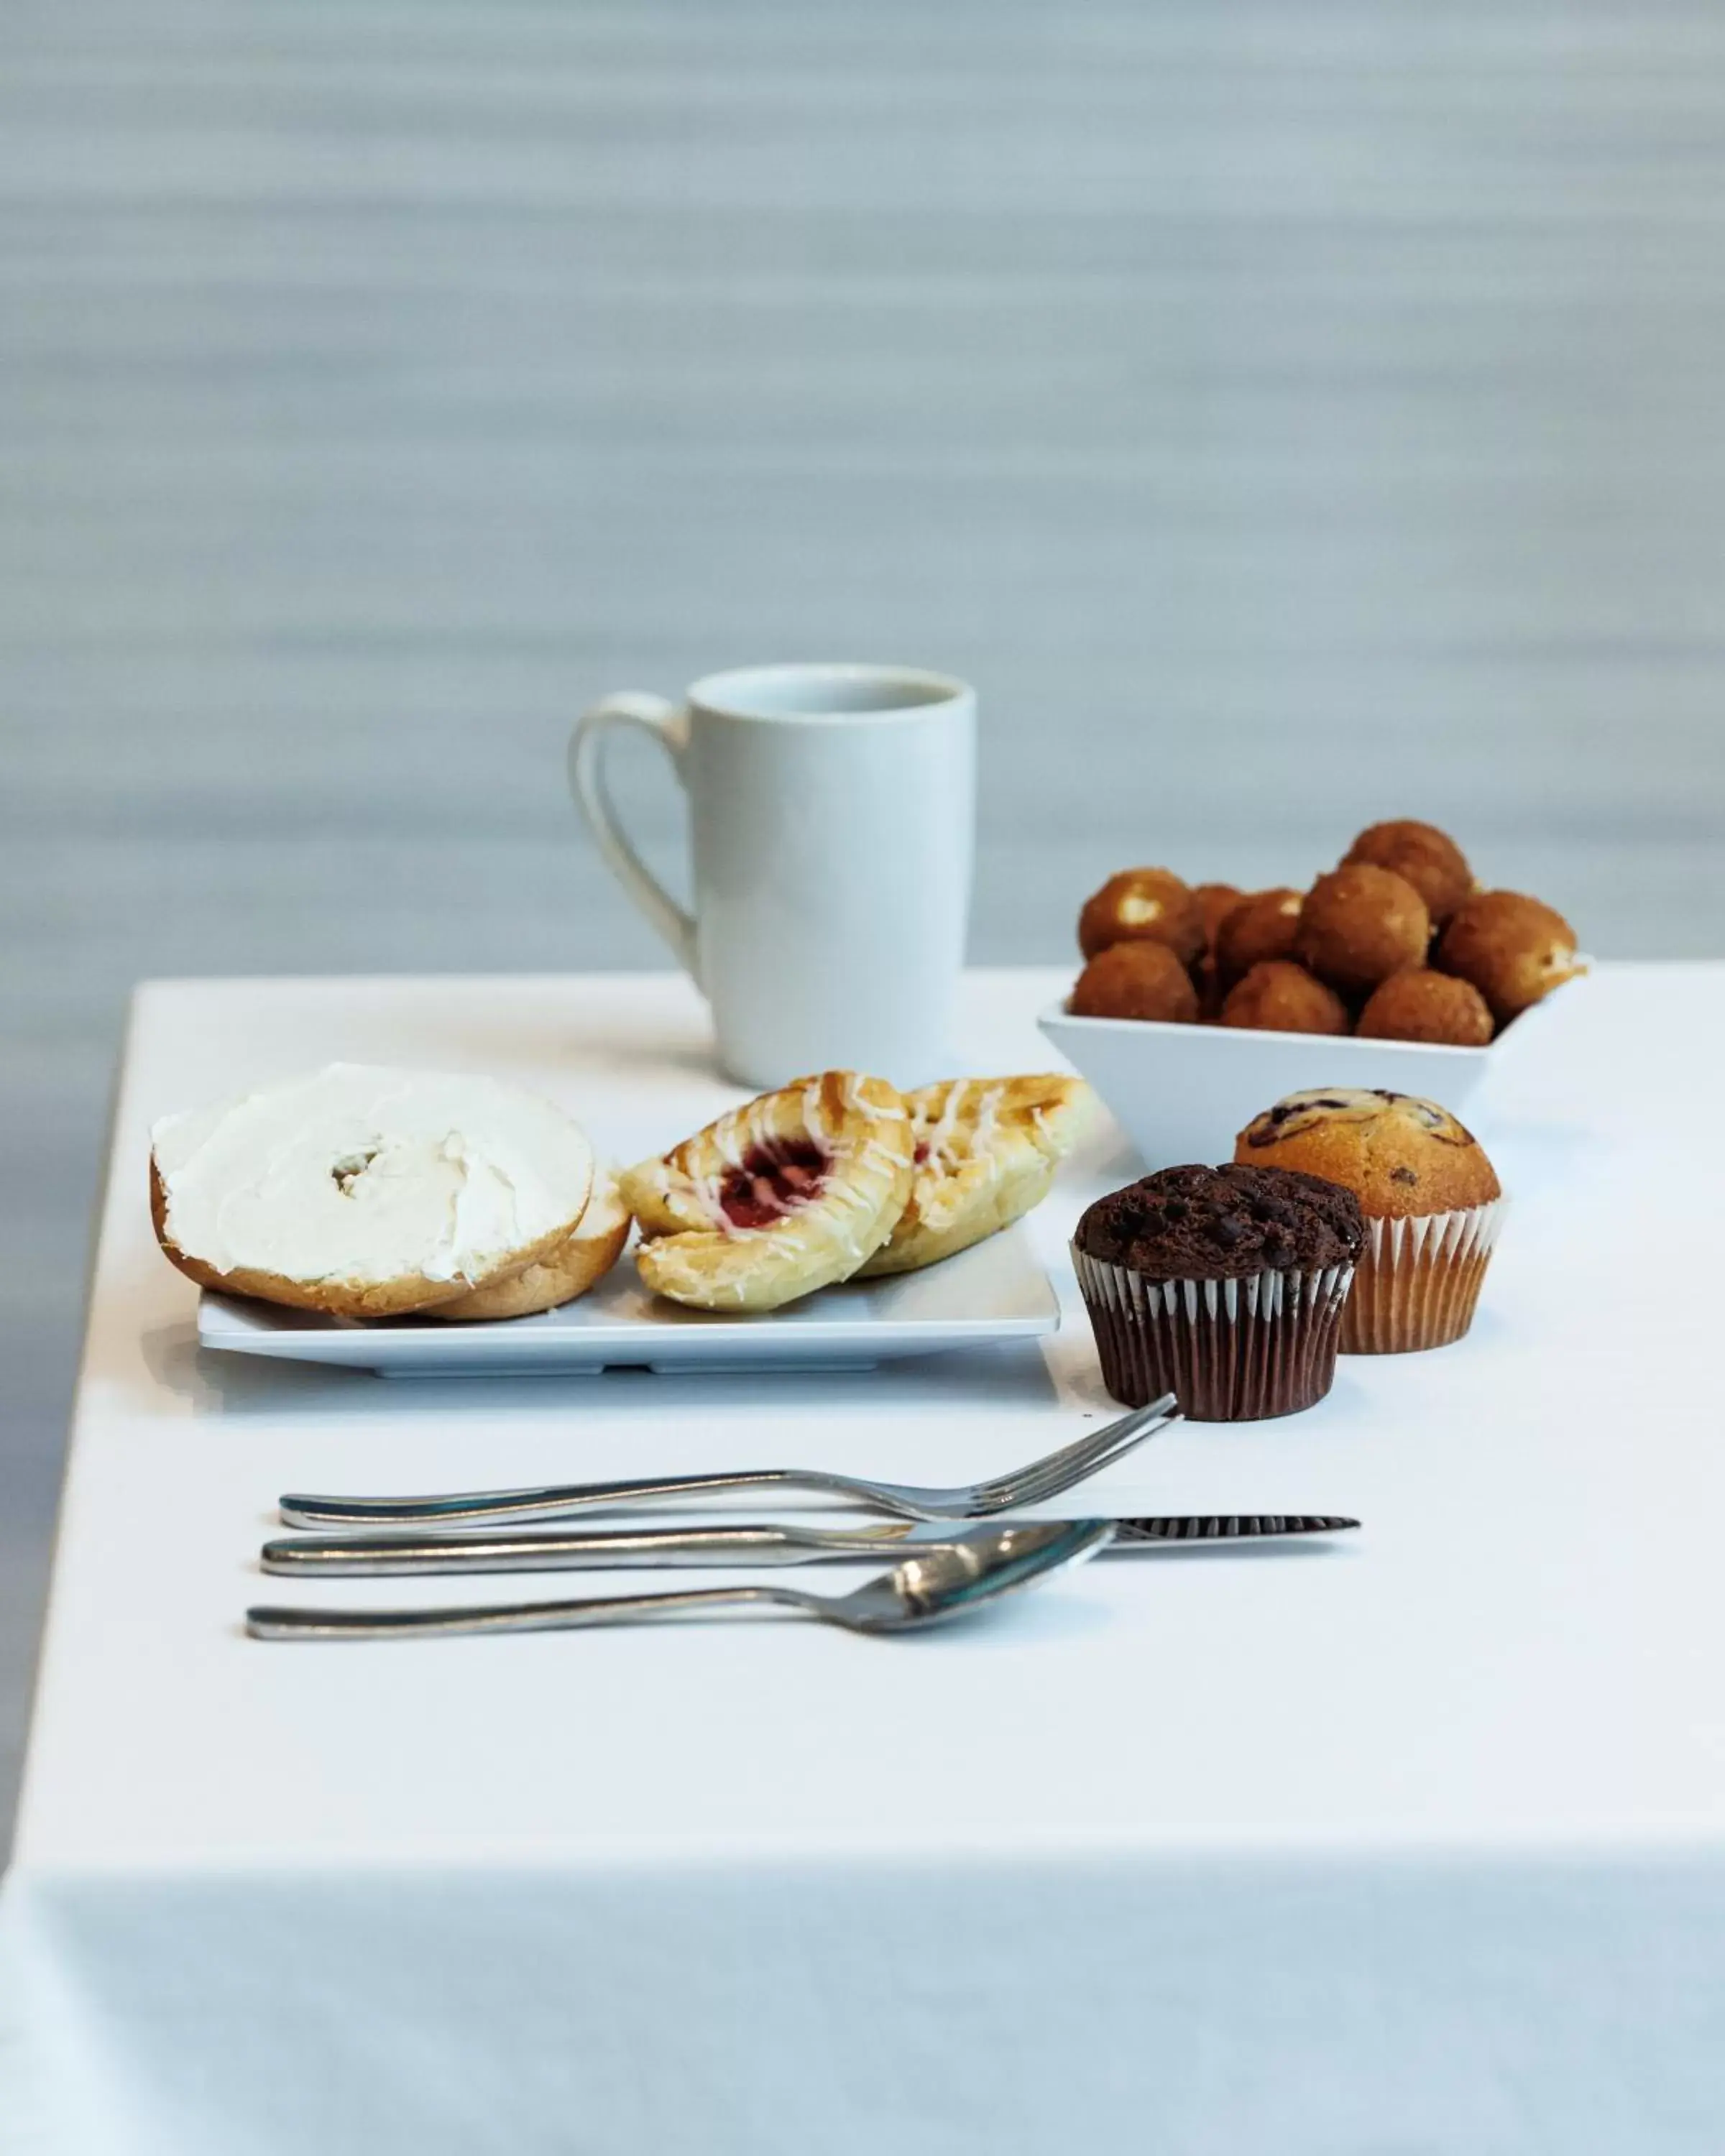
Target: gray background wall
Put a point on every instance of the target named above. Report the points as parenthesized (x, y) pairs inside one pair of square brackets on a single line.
[(1288, 415)]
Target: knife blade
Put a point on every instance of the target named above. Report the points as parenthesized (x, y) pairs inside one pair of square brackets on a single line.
[(378, 1556), (1224, 1527)]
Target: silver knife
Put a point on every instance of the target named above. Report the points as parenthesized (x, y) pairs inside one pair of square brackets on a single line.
[(378, 1556)]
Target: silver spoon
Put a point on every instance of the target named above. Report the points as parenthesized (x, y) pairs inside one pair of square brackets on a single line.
[(1032, 1484), (948, 1581)]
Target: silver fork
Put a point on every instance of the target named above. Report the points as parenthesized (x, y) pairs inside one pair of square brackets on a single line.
[(1050, 1476)]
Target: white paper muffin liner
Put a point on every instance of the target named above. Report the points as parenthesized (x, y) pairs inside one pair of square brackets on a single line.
[(1229, 1350), (1418, 1280)]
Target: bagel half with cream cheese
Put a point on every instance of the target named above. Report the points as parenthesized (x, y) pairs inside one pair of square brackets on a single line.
[(365, 1192), (576, 1266)]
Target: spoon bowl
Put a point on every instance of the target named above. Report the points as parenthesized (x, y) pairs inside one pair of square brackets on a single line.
[(953, 1579)]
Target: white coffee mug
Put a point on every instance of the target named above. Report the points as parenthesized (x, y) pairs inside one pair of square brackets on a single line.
[(832, 813)]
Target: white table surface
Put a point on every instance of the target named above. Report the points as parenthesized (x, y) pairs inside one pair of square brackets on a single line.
[(1415, 1843)]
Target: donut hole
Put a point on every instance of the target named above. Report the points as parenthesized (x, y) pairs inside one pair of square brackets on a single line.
[(767, 1186)]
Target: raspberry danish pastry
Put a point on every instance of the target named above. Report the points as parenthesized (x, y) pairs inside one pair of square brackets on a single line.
[(785, 1195), (986, 1152)]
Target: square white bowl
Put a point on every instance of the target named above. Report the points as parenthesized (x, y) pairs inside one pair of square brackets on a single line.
[(1184, 1092)]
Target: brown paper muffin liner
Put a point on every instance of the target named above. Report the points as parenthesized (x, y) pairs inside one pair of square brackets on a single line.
[(1227, 1350), (1418, 1281)]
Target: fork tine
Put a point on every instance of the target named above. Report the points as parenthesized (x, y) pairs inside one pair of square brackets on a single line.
[(1058, 1473), (1080, 1448), (1034, 1488), (1125, 1430)]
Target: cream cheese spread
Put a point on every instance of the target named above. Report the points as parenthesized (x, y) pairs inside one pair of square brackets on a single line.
[(358, 1174)]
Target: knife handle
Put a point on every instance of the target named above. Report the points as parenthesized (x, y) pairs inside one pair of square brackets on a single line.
[(376, 1556), (383, 1556)]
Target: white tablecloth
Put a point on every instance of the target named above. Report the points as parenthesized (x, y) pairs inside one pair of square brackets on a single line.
[(1412, 1846)]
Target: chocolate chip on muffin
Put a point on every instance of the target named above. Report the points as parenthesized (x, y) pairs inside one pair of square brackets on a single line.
[(1218, 1223)]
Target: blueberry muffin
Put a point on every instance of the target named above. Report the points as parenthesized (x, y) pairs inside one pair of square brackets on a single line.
[(1431, 1198)]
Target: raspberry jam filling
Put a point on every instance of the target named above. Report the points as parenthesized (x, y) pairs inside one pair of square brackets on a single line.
[(768, 1186)]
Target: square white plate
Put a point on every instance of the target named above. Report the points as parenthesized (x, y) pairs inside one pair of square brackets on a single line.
[(997, 1291)]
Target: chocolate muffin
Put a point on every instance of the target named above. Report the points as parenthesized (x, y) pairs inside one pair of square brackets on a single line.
[(1135, 980), (1430, 1199), (1222, 1285)]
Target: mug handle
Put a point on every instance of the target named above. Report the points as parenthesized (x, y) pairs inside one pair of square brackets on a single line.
[(667, 724)]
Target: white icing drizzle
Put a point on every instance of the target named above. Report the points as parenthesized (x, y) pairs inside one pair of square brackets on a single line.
[(987, 1115), (827, 1231), (759, 1129), (935, 1137)]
